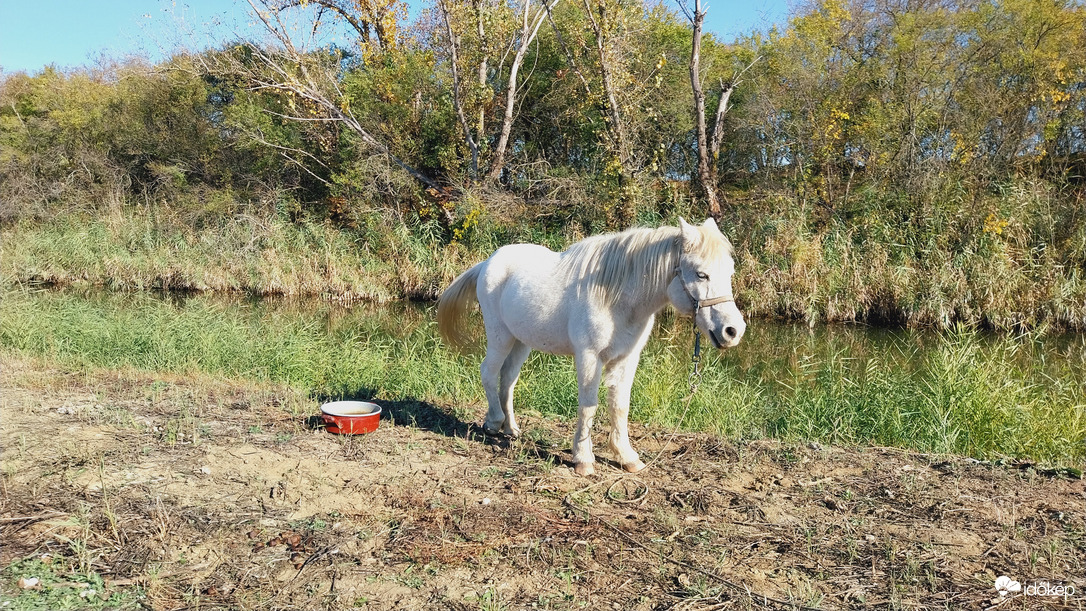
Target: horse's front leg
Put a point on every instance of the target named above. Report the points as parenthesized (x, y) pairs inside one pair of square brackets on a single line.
[(588, 391), (619, 384)]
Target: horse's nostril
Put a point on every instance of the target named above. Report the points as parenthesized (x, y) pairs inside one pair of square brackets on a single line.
[(730, 332)]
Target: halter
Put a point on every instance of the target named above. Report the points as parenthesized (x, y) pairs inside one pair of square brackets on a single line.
[(695, 374), (701, 303)]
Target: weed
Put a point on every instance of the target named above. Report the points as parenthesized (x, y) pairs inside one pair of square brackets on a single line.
[(491, 600), (410, 578), (61, 586)]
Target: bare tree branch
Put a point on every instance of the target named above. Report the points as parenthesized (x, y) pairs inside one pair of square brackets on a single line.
[(705, 175), (726, 90), (458, 106), (528, 31), (301, 82), (360, 26)]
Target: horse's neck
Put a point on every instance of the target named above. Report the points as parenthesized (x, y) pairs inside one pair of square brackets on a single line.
[(649, 295)]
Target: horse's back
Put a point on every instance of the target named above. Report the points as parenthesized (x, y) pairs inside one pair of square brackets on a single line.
[(521, 289), (520, 272), (519, 260)]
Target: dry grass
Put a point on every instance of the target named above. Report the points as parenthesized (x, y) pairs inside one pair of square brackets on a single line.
[(200, 492), (1013, 259), (137, 249)]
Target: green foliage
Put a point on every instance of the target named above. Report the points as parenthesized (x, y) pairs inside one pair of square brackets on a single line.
[(897, 97), (911, 98), (885, 161), (406, 100)]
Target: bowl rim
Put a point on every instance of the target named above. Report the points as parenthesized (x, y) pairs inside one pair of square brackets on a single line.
[(330, 409)]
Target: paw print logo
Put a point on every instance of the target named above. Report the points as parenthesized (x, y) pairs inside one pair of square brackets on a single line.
[(1005, 585)]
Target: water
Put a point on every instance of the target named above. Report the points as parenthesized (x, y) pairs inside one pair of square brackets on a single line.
[(972, 393), (772, 351)]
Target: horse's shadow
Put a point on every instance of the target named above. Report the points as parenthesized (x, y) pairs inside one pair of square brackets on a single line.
[(419, 414)]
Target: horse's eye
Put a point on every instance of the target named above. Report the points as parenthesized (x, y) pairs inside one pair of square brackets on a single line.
[(703, 275)]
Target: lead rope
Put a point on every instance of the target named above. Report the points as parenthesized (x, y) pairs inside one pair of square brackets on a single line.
[(695, 370)]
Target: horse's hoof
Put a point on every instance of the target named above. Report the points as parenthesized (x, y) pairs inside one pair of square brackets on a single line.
[(633, 467), (585, 468), (512, 433)]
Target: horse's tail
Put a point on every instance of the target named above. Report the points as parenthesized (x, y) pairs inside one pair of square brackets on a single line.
[(453, 305)]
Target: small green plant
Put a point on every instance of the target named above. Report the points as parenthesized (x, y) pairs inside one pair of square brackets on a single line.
[(491, 600), (57, 585), (411, 578)]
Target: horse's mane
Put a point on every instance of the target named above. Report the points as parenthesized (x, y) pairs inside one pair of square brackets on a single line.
[(636, 259)]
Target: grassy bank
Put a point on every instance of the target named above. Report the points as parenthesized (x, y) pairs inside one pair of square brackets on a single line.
[(1015, 258), (1018, 261), (139, 249), (964, 394)]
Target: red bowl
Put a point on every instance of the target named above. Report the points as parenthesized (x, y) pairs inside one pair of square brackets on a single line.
[(350, 417)]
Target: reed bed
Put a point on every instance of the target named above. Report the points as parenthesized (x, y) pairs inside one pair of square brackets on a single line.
[(1018, 261), (138, 250)]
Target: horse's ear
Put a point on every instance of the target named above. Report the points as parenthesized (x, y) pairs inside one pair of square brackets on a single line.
[(691, 236), (711, 224)]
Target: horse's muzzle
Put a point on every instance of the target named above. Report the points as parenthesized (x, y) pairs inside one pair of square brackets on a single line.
[(728, 336)]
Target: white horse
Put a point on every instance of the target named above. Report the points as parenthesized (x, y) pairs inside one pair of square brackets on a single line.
[(595, 301)]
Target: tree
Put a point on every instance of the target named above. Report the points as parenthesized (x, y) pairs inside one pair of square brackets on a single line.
[(708, 149), (314, 77), (530, 20)]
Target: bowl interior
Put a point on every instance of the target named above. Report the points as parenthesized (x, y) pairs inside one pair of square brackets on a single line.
[(350, 408)]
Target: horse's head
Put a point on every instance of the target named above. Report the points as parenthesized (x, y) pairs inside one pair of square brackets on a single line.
[(702, 286)]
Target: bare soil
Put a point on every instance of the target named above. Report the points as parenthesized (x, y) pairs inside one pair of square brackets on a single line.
[(195, 492)]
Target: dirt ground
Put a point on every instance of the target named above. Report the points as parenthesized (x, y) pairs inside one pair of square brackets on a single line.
[(198, 493)]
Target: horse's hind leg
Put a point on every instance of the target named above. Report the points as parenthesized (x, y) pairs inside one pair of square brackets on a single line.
[(509, 375), (497, 349), (503, 354)]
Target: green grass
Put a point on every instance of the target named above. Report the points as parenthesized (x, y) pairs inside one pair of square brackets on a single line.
[(60, 587), (956, 392)]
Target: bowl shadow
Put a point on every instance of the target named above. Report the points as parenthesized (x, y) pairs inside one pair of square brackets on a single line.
[(419, 414)]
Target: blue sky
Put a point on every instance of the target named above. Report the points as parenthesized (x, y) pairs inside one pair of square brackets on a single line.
[(72, 33)]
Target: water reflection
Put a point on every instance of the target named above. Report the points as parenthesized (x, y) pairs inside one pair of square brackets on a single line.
[(771, 351)]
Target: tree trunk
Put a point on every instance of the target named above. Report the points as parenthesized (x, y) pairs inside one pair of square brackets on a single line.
[(617, 129), (706, 175), (480, 127), (529, 28), (458, 105)]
